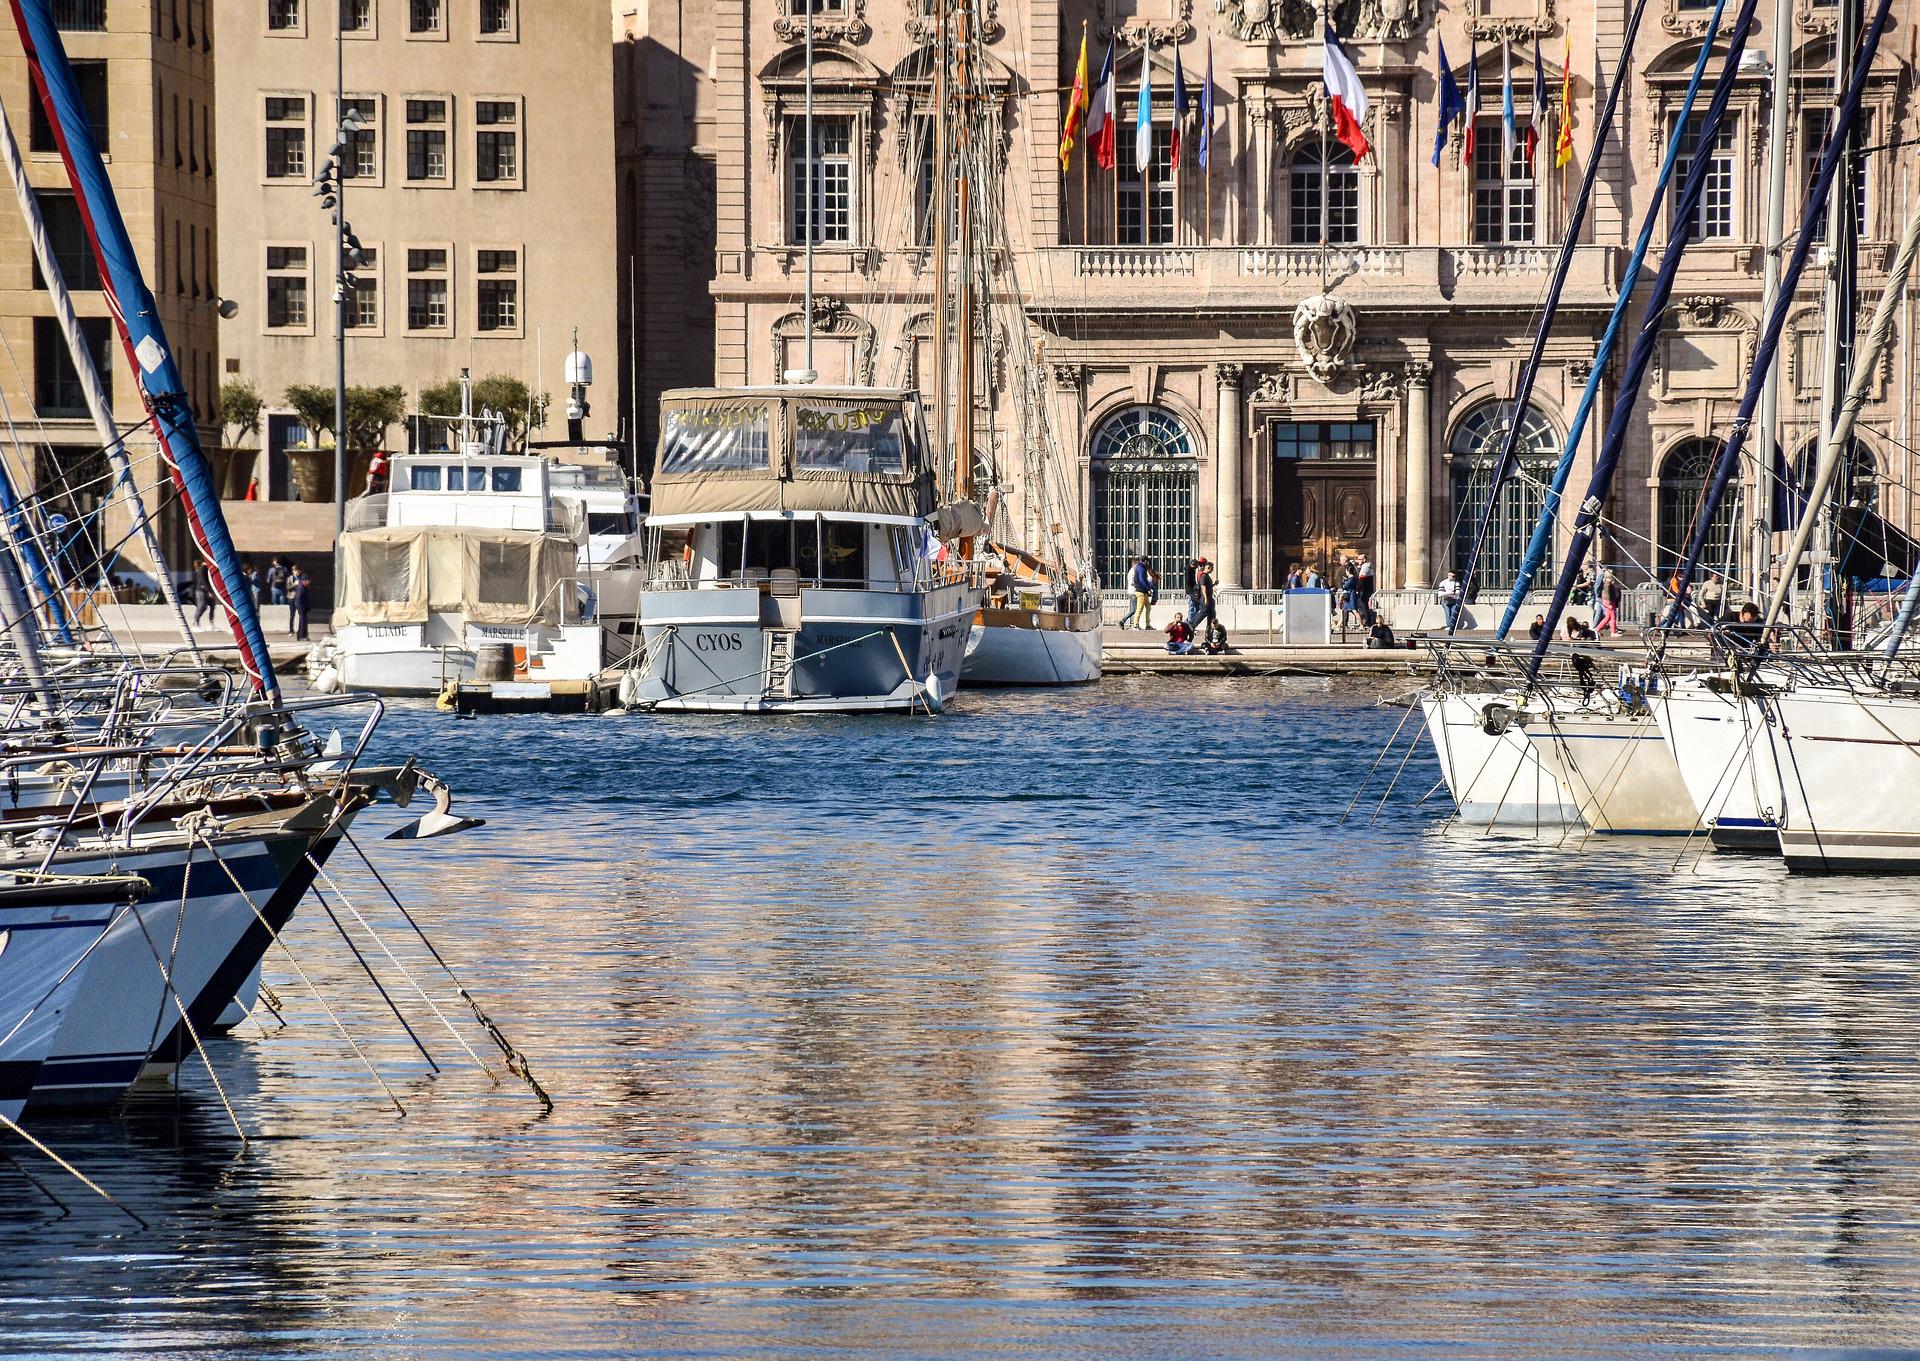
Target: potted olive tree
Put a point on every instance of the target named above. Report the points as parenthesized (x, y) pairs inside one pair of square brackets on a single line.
[(370, 412)]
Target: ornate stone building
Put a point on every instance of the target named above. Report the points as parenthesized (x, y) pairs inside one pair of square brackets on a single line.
[(1205, 410)]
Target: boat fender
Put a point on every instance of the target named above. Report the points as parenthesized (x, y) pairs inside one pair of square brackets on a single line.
[(327, 681), (448, 699), (933, 692)]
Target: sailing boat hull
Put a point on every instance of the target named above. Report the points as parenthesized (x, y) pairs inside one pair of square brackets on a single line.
[(1851, 792), (1618, 769), (1032, 647), (1495, 776), (1723, 745)]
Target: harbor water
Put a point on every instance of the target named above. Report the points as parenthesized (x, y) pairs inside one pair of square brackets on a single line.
[(1061, 1025)]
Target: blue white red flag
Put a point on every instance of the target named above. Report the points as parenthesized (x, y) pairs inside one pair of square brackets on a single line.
[(1344, 95)]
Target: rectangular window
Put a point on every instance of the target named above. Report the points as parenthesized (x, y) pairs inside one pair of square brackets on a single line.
[(362, 161), (57, 393), (496, 141), (798, 8), (286, 120), (427, 140), (1339, 440), (1713, 220), (424, 477), (356, 16), (91, 77), (926, 203), (1342, 181), (283, 15), (67, 234), (423, 16), (497, 295), (1155, 189), (826, 175), (1503, 200), (364, 314), (286, 288), (1814, 140), (506, 479), (80, 16), (427, 281), (496, 18)]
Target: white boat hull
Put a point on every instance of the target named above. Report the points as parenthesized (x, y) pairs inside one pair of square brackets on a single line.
[(1618, 769), (1851, 786), (1723, 745), (1039, 647), (1496, 778)]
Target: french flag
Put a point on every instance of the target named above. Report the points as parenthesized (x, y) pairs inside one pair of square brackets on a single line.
[(1100, 115), (1473, 101), (1348, 100)]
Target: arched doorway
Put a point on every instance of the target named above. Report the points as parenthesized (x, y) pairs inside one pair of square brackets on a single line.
[(1144, 475), (1683, 480), (1475, 448)]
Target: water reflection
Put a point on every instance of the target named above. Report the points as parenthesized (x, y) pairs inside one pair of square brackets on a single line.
[(1053, 1026)]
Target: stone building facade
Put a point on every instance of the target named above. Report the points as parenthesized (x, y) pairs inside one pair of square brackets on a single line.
[(145, 69), (664, 149), (1201, 411), (483, 190)]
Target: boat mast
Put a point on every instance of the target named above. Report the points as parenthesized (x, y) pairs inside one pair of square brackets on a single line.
[(1776, 237), (1842, 245), (941, 210), (963, 209)]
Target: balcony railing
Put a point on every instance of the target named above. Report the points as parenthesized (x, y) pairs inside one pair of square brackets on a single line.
[(80, 16)]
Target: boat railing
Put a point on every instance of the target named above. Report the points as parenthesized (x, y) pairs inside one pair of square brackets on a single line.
[(674, 576), (367, 512)]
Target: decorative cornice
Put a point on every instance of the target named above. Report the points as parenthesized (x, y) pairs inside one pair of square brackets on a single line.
[(1485, 28), (1139, 33), (850, 27)]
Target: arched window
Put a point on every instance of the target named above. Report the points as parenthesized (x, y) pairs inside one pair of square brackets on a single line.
[(1790, 500), (1475, 448), (1143, 479), (1303, 196), (1683, 481)]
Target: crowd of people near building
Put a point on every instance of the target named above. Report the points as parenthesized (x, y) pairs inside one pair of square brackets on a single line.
[(282, 582)]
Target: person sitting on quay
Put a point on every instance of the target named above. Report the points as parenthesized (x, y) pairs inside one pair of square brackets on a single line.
[(1577, 632), (1380, 634), (1216, 643), (1179, 637), (1537, 627)]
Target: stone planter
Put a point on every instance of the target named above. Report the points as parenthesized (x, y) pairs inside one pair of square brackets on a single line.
[(310, 474)]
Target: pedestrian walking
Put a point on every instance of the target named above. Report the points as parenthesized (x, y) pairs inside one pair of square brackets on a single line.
[(1205, 599), (1449, 593), (1193, 591), (1296, 578), (1365, 572), (202, 595), (299, 597), (1141, 580), (1609, 604), (277, 581)]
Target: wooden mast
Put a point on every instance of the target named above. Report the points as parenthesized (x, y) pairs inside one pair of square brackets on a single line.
[(963, 215), (941, 210)]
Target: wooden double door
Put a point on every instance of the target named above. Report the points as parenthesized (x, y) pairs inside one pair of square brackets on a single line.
[(1323, 514)]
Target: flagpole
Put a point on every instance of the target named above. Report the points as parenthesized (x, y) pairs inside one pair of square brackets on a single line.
[(1323, 203), (1146, 171), (1086, 154)]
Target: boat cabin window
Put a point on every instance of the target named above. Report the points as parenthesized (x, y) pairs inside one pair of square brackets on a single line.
[(849, 439), (506, 479), (715, 437), (423, 478), (797, 545), (476, 479), (604, 522)]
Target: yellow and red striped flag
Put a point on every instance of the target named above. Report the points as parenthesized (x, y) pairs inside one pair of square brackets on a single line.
[(1076, 107), (1563, 144)]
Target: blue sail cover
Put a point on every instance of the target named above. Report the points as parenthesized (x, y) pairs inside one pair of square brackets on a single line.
[(28, 552), (1542, 538), (1505, 466), (138, 317), (1641, 357), (1716, 488)]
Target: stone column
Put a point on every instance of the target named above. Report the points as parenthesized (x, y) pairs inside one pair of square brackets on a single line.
[(1226, 473), (1419, 474)]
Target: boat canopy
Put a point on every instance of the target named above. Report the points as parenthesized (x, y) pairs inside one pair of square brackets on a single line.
[(850, 450), (492, 576)]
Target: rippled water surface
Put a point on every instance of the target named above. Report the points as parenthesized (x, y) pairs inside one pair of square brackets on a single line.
[(1062, 1025)]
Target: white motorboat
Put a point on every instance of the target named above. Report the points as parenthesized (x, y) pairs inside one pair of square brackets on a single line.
[(467, 568), (793, 567)]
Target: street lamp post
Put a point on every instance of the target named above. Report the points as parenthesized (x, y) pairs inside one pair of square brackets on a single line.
[(330, 189)]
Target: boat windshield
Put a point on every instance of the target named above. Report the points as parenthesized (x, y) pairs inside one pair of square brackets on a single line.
[(714, 437), (800, 546), (843, 437)]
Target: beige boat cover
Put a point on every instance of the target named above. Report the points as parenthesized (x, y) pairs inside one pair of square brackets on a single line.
[(826, 450), (492, 576)]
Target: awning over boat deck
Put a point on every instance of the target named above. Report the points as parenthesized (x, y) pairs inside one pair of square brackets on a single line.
[(492, 576), (853, 517)]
